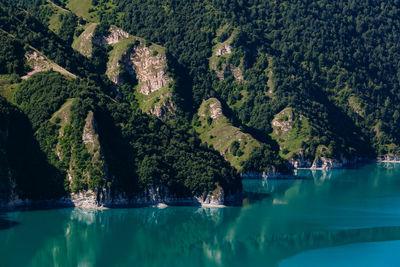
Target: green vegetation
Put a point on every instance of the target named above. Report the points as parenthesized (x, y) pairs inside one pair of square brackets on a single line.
[(215, 130), (8, 84), (293, 133), (42, 95), (311, 69), (222, 39), (83, 43), (140, 151), (22, 159), (298, 77), (39, 63), (56, 18), (11, 55), (81, 8), (147, 103)]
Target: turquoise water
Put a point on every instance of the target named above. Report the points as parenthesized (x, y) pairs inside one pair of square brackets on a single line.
[(334, 218)]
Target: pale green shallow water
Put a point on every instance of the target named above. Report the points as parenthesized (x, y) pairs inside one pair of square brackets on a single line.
[(335, 218)]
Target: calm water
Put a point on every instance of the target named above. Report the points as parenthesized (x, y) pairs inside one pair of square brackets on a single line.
[(335, 218)]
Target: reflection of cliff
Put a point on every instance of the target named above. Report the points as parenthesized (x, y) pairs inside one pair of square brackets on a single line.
[(269, 249), (81, 237), (310, 214)]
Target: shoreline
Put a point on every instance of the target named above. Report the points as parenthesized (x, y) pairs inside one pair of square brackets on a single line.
[(67, 202), (28, 204)]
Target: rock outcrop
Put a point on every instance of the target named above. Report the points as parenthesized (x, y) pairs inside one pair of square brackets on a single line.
[(165, 108), (219, 61), (116, 35), (323, 163), (226, 49), (148, 64), (389, 158), (38, 62), (149, 69), (157, 196)]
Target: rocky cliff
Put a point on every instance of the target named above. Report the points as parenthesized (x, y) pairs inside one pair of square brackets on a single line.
[(293, 132), (147, 63), (40, 63)]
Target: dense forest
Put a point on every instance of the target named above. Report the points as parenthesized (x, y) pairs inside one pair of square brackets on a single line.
[(308, 80), (325, 57)]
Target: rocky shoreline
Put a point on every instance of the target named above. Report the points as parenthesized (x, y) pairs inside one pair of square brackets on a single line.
[(154, 197), (160, 198)]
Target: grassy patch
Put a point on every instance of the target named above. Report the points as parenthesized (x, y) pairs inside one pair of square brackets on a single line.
[(54, 21), (215, 129), (63, 116), (148, 102), (85, 9), (291, 131), (81, 9), (240, 102), (83, 44), (7, 86)]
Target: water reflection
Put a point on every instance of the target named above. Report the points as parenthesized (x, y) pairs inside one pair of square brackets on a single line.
[(324, 210), (5, 223)]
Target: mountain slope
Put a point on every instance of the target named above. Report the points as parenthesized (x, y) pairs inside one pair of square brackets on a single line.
[(303, 84)]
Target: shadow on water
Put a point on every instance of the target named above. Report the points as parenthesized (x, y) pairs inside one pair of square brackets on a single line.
[(5, 223)]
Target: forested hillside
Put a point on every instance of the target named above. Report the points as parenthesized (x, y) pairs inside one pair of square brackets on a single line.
[(174, 93), (337, 63)]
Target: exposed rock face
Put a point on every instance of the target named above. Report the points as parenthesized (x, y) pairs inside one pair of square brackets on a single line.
[(148, 64), (230, 69), (155, 196), (35, 58), (322, 163), (116, 35), (389, 158), (215, 110), (89, 135), (164, 109), (40, 63), (283, 125), (226, 49), (149, 69), (236, 72), (326, 164), (299, 161), (159, 195)]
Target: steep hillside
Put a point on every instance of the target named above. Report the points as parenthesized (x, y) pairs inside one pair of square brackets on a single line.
[(147, 64), (224, 61), (326, 61), (55, 20), (216, 130), (81, 8), (106, 153), (38, 63), (83, 43), (314, 84)]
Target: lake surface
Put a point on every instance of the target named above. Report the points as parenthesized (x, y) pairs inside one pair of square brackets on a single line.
[(330, 218)]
